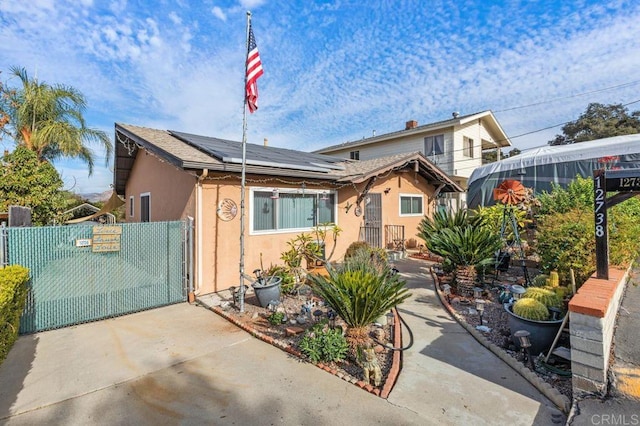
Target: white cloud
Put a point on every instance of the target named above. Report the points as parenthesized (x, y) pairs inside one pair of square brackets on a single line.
[(333, 71), (218, 13), (251, 4), (175, 18)]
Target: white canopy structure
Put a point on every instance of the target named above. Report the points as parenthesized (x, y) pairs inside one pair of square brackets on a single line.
[(539, 168)]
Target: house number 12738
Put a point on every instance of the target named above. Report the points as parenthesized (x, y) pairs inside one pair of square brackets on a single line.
[(600, 208), (630, 183)]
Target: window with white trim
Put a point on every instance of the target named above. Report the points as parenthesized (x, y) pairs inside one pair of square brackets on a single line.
[(411, 205), (145, 207), (467, 145), (354, 155), (131, 205), (285, 209), (434, 145)]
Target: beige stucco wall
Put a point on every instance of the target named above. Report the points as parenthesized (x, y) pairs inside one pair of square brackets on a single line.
[(171, 189), (176, 194), (221, 240)]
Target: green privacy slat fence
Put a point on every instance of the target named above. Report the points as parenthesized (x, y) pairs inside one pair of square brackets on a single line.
[(71, 284)]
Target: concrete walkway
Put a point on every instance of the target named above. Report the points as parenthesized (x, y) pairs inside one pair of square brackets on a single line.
[(452, 379), (184, 364)]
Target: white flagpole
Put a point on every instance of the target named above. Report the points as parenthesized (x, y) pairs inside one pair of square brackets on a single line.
[(244, 166)]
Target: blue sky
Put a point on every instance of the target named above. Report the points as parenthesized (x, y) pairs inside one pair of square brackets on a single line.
[(334, 70)]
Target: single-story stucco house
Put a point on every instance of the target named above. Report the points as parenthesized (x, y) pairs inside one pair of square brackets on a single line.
[(169, 175)]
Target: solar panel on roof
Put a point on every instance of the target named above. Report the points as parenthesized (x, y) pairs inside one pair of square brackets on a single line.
[(258, 155)]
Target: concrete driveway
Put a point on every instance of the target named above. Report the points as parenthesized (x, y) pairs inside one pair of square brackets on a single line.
[(179, 364), (184, 364)]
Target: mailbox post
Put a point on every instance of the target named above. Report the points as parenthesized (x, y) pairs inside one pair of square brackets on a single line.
[(627, 184)]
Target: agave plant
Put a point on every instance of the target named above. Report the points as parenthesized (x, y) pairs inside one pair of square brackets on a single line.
[(360, 291), (466, 248)]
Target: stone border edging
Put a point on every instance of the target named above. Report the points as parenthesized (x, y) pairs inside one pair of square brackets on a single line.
[(560, 400), (383, 392)]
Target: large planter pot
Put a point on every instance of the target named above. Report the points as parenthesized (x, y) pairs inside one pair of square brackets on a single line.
[(267, 291), (542, 332)]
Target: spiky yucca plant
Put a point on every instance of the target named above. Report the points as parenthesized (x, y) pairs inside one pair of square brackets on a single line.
[(360, 291), (466, 248)]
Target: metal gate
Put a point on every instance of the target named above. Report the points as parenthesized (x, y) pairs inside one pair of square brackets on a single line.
[(80, 274), (371, 232)]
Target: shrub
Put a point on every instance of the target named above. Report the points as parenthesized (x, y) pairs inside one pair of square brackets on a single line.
[(547, 297), (276, 318), (566, 230), (565, 241), (493, 217), (323, 343), (578, 194), (355, 247), (531, 309), (13, 293)]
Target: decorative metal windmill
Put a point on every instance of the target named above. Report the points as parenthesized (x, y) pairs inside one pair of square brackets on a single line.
[(510, 193)]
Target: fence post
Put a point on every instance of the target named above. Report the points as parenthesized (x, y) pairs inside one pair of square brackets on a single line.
[(188, 253), (4, 244)]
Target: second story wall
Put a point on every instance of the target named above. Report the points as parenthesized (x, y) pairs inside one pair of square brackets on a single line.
[(404, 144), (467, 150)]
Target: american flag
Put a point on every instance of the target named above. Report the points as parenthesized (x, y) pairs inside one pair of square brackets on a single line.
[(254, 72)]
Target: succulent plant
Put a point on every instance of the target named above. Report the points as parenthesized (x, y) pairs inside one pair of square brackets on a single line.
[(531, 309), (562, 291), (546, 296), (554, 279), (540, 280)]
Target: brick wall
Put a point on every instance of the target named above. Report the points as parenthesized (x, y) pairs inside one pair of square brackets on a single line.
[(592, 318)]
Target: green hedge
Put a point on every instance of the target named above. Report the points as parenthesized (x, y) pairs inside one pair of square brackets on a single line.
[(567, 241), (13, 293)]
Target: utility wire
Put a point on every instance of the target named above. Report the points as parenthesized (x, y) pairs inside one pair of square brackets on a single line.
[(632, 83), (443, 163)]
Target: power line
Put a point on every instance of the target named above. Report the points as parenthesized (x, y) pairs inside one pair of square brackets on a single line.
[(570, 96), (446, 163), (561, 124)]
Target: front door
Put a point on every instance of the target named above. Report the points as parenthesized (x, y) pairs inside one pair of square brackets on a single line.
[(373, 220)]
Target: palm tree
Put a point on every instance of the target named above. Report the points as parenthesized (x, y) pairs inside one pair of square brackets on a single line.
[(49, 120)]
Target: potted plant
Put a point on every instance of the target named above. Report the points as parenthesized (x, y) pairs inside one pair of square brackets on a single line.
[(531, 313), (266, 287)]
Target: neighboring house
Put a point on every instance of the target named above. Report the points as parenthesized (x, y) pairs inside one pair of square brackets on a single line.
[(168, 175), (89, 214), (541, 168), (454, 145)]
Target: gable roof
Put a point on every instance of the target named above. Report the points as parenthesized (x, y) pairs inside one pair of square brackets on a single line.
[(193, 152), (488, 118)]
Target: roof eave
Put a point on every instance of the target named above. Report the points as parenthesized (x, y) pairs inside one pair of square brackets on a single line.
[(426, 169)]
